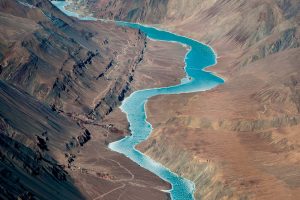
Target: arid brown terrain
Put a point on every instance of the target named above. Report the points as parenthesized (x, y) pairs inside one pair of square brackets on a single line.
[(241, 139), (62, 81)]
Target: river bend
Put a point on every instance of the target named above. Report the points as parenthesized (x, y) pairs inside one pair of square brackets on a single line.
[(197, 79)]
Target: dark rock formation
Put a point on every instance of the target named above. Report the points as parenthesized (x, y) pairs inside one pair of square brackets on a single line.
[(49, 65)]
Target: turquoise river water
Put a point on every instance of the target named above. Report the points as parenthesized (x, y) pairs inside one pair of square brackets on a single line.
[(197, 79)]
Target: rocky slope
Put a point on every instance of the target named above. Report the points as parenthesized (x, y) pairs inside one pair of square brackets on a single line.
[(31, 133), (66, 63), (61, 82), (239, 140)]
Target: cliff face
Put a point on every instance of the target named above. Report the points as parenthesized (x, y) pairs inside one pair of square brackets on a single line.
[(59, 78), (239, 140)]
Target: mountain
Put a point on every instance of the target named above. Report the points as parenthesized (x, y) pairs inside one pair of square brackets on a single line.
[(241, 139), (61, 81)]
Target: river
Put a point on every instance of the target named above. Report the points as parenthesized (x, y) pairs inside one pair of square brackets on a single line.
[(197, 79)]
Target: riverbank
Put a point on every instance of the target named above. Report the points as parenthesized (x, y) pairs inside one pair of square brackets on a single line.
[(165, 50), (198, 58), (101, 173)]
